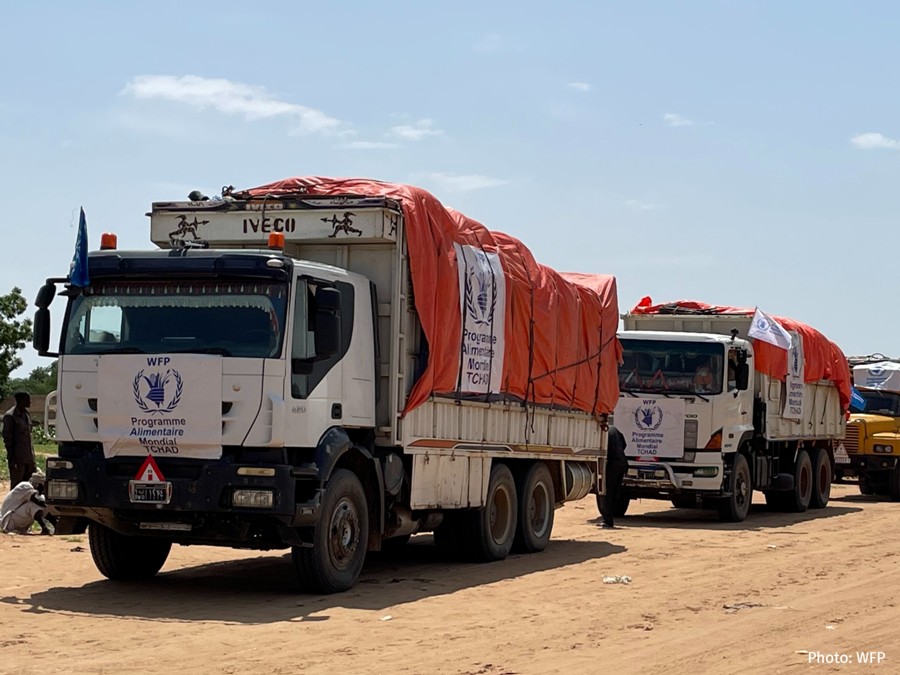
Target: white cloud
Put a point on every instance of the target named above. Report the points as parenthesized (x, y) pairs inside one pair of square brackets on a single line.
[(231, 98), (368, 145), (641, 205), (579, 86), (871, 140), (675, 120), (448, 182), (416, 131)]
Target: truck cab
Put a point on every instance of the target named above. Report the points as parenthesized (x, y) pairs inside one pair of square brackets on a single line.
[(872, 441), (686, 402)]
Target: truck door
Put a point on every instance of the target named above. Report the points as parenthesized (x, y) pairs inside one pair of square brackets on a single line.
[(314, 388)]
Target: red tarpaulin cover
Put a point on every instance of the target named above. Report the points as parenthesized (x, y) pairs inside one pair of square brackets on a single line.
[(572, 359), (823, 359)]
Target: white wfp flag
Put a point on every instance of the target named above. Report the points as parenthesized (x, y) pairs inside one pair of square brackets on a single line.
[(764, 327)]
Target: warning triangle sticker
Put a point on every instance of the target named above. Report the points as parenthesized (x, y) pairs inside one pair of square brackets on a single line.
[(149, 472)]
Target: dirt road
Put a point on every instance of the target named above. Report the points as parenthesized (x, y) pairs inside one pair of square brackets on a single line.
[(705, 597)]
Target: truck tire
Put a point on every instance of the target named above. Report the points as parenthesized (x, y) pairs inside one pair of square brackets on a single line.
[(894, 482), (536, 509), (487, 534), (620, 508), (123, 558), (335, 560), (797, 500), (865, 487), (735, 507), (822, 477)]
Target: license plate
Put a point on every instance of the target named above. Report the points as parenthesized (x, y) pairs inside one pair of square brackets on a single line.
[(646, 474), (840, 455), (155, 492)]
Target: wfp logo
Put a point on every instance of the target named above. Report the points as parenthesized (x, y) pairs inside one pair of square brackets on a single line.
[(481, 292), (649, 418), (878, 375), (156, 388)]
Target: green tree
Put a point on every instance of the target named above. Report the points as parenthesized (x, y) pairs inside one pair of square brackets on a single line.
[(14, 333), (39, 380)]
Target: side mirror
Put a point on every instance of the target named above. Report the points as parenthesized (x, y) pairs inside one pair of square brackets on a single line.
[(742, 376), (41, 331), (301, 366), (45, 295)]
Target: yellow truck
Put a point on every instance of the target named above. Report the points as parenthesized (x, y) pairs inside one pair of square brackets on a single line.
[(872, 440)]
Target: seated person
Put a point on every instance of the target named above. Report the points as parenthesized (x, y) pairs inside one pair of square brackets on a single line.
[(24, 505), (704, 378)]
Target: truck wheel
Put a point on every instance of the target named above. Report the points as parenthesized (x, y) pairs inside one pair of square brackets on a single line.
[(536, 508), (865, 487), (620, 508), (797, 500), (489, 533), (123, 558), (734, 508), (895, 483), (821, 472), (336, 558)]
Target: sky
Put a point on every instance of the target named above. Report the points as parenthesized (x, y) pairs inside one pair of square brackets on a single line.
[(736, 153)]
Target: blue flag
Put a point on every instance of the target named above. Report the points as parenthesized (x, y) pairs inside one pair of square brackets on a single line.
[(78, 270), (856, 400)]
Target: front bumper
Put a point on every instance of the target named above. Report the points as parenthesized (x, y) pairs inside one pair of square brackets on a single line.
[(200, 508), (662, 480), (867, 465)]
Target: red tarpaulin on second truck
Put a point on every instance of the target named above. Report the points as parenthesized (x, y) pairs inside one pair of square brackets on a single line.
[(554, 343), (823, 359)]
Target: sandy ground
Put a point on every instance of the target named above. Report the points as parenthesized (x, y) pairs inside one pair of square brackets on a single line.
[(705, 597)]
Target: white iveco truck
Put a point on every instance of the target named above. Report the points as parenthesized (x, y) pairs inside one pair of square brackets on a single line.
[(705, 428), (218, 391)]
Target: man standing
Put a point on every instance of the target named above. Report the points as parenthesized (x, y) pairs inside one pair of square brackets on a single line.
[(17, 438), (616, 467)]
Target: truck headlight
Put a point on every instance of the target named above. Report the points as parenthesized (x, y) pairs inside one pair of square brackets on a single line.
[(706, 472), (253, 499), (883, 449), (56, 463)]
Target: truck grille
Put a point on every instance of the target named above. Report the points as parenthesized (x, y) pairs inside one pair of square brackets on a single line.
[(851, 438)]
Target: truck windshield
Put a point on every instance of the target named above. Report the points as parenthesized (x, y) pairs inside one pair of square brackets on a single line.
[(670, 367), (231, 318), (879, 403)]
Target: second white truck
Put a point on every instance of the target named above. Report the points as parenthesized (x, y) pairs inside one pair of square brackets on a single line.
[(710, 416)]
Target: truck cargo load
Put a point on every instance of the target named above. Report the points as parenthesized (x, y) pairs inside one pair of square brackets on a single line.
[(711, 414), (330, 365)]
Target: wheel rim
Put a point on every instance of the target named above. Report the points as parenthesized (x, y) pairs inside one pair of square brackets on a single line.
[(343, 533), (538, 510), (742, 489), (501, 512)]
